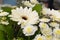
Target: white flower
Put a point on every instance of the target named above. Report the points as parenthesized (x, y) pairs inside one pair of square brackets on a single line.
[(39, 37), (44, 20), (49, 37), (55, 18), (54, 24), (3, 18), (56, 32), (24, 16), (55, 12), (47, 31), (28, 4), (46, 11), (34, 1), (55, 15), (4, 22), (4, 14), (43, 25), (29, 30)]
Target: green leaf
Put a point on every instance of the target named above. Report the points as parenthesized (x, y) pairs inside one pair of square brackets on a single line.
[(1, 27), (38, 8), (20, 38), (7, 9), (9, 31), (2, 35)]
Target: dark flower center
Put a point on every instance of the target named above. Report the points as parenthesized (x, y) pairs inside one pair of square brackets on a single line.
[(24, 17)]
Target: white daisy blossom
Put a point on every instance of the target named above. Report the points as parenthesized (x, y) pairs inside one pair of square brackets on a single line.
[(28, 4), (46, 11), (47, 31), (43, 25), (55, 12), (29, 30), (56, 32), (24, 15), (4, 22), (39, 37), (34, 1), (4, 14), (54, 24), (55, 15), (44, 20)]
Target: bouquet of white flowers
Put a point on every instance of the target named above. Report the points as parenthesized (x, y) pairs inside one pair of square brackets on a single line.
[(29, 22)]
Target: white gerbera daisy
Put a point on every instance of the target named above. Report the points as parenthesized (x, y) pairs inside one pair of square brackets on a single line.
[(43, 25), (54, 24), (24, 16), (47, 31), (56, 32), (28, 4), (39, 37), (29, 30), (44, 20)]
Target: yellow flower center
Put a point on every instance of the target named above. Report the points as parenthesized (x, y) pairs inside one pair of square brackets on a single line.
[(44, 25), (39, 38), (29, 30), (49, 37), (3, 18), (57, 32)]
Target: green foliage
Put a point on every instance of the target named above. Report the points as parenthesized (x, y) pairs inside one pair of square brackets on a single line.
[(2, 35), (7, 9), (38, 8), (1, 28), (20, 38), (6, 31), (9, 31)]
